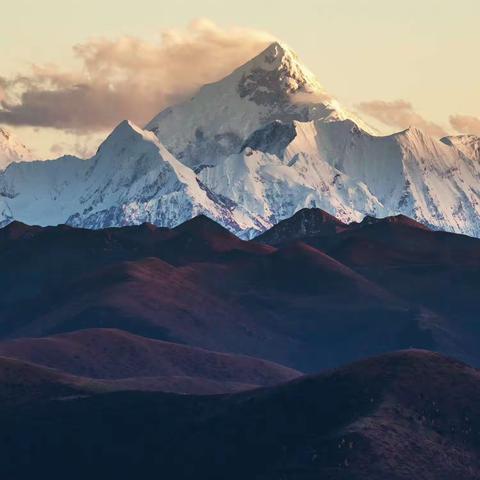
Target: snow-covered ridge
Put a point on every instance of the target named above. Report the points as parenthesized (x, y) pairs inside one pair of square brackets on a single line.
[(338, 167), (132, 179), (218, 119), (249, 151), (469, 145)]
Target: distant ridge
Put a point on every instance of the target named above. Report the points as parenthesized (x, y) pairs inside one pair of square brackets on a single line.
[(304, 223)]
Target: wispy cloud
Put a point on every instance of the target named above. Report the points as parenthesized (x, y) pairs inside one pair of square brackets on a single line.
[(400, 114), (465, 124), (83, 146), (126, 78)]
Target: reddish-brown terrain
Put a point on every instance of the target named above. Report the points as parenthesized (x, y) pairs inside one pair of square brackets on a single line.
[(299, 305), (97, 326), (400, 416), (116, 354)]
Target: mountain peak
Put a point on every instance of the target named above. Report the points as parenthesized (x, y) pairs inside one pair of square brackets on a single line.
[(126, 127), (274, 75), (276, 48), (124, 133), (307, 222), (203, 225), (400, 220), (275, 53), (216, 122)]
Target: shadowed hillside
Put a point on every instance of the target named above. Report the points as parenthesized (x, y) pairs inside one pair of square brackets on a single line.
[(400, 416)]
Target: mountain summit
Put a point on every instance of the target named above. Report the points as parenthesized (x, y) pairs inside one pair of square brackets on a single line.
[(130, 180), (222, 115), (249, 151)]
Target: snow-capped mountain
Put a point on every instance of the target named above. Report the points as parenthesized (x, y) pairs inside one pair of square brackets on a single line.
[(131, 179), (11, 149), (276, 185), (249, 151), (340, 168), (220, 117), (469, 145)]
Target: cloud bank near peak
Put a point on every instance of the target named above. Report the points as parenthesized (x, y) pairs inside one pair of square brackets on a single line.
[(126, 78), (465, 124), (400, 114)]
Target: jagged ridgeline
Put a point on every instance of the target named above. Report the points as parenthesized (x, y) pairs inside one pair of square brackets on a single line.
[(249, 151)]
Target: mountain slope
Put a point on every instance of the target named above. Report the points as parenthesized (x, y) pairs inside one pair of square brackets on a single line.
[(11, 149), (219, 118), (24, 382), (116, 354), (199, 285), (273, 189), (305, 223), (338, 167), (469, 145), (438, 270), (404, 415), (132, 179)]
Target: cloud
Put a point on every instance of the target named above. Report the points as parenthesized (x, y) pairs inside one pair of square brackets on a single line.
[(301, 98), (465, 124), (83, 147), (400, 114), (126, 78)]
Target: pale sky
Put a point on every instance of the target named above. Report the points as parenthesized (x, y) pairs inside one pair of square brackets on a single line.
[(424, 52)]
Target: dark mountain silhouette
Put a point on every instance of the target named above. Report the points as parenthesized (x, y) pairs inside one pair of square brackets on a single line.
[(438, 270), (199, 285), (97, 326), (400, 416), (291, 306), (305, 223)]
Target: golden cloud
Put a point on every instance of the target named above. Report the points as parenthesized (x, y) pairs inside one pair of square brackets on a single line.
[(465, 124), (400, 114), (127, 77)]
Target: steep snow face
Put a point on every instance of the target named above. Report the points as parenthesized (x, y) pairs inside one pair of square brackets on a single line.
[(132, 179), (469, 145), (338, 167), (421, 177), (273, 189), (41, 192), (216, 121), (11, 149), (281, 168)]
